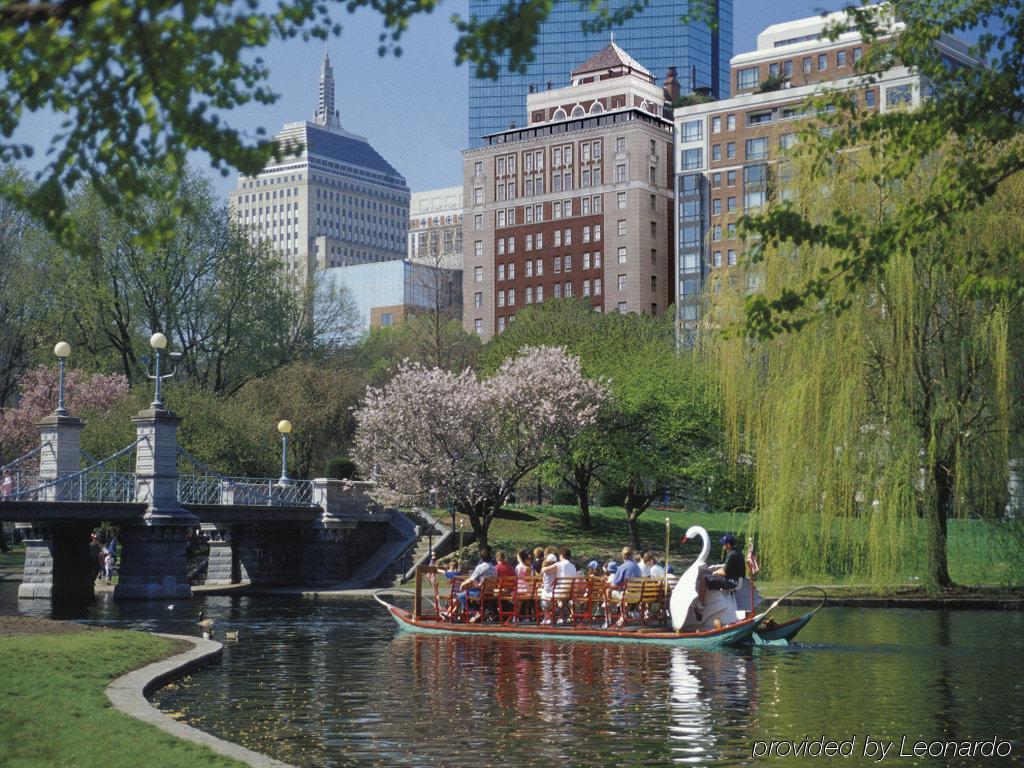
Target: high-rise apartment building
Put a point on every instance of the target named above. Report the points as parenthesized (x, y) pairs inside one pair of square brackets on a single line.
[(655, 37), (578, 203), (336, 202), (728, 151), (435, 227)]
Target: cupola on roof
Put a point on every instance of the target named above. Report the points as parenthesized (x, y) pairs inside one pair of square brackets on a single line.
[(610, 57)]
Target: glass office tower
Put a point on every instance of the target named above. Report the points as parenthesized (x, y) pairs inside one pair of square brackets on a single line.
[(655, 38)]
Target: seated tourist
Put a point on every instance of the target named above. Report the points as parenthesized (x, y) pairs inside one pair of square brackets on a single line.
[(483, 570), (548, 572), (646, 561), (525, 566), (503, 567), (593, 568), (538, 559), (628, 570), (726, 576), (565, 567), (657, 570)]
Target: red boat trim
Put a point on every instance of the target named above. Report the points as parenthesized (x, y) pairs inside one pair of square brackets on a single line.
[(404, 616)]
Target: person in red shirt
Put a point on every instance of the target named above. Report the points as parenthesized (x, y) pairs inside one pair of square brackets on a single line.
[(504, 567)]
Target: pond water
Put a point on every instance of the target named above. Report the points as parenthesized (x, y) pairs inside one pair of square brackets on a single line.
[(336, 684)]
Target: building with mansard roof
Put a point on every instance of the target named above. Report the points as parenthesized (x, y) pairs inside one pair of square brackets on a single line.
[(333, 203)]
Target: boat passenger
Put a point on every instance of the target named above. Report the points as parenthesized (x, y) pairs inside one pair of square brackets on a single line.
[(726, 576), (628, 570), (538, 559), (504, 567), (483, 570), (525, 567), (565, 567), (593, 568), (646, 560), (657, 570)]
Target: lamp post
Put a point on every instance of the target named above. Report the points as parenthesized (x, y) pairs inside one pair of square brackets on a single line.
[(284, 427), (63, 351), (158, 342)]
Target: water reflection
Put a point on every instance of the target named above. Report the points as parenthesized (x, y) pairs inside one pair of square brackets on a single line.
[(334, 684)]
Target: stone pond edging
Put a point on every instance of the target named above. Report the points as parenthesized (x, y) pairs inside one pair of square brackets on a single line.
[(128, 695)]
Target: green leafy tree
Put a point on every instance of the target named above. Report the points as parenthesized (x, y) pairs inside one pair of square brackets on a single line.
[(877, 425)]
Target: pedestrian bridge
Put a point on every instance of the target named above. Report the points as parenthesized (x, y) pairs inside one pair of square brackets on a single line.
[(314, 533)]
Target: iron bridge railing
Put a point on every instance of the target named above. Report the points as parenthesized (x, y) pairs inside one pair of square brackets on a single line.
[(251, 491)]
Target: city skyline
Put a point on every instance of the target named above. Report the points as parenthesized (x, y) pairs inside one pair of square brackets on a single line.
[(424, 81)]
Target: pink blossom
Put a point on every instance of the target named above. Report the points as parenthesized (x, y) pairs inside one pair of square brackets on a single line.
[(96, 393)]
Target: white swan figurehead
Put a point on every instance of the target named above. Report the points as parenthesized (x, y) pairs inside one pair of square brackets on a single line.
[(685, 591)]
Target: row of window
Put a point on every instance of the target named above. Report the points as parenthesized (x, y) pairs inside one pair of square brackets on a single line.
[(535, 267), (750, 77), (505, 165)]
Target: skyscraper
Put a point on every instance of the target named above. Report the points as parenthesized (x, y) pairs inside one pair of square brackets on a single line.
[(335, 203), (655, 38)]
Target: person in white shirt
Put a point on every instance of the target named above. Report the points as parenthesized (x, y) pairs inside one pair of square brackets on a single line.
[(645, 564), (565, 567)]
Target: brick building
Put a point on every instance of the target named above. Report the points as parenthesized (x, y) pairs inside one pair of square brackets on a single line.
[(727, 151), (577, 203)]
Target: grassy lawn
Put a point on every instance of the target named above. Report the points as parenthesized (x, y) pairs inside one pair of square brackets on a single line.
[(13, 561), (53, 711), (981, 553)]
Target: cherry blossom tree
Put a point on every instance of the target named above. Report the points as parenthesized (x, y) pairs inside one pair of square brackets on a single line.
[(96, 393), (431, 432)]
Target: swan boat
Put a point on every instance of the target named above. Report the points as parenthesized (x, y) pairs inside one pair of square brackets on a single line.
[(719, 624)]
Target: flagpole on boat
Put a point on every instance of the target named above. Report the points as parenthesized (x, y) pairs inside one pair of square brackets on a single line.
[(668, 531), (458, 560)]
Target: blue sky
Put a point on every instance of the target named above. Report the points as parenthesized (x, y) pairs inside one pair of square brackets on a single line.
[(412, 108)]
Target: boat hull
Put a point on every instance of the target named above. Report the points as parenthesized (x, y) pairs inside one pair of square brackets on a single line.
[(731, 635), (782, 634)]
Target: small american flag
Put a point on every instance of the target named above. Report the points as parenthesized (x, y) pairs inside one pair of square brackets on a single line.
[(752, 565)]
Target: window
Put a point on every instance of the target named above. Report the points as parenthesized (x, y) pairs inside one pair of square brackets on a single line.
[(760, 118), (558, 290), (558, 238), (595, 202), (807, 65), (747, 78), (529, 243), (840, 58), (585, 153), (586, 287), (500, 217), (478, 248), (754, 184), (857, 54), (620, 144), (620, 171), (556, 210), (478, 196), (716, 206), (511, 297), (654, 203), (501, 271), (897, 95), (730, 122), (568, 237), (586, 260), (478, 170), (689, 236), (597, 286), (732, 258), (757, 149), (511, 271), (528, 214), (773, 69), (822, 61), (716, 152), (597, 150), (654, 229), (621, 227), (730, 150), (511, 245), (731, 231), (478, 274), (540, 269), (787, 140), (568, 290), (529, 295), (730, 204), (529, 268), (716, 124), (716, 259), (622, 254), (622, 282), (558, 264), (501, 246), (716, 232), (869, 98), (501, 166), (501, 298), (478, 222), (620, 200), (690, 159), (716, 180), (787, 68), (586, 234), (689, 131), (540, 293), (478, 326), (556, 156), (501, 324), (730, 178), (654, 283), (597, 259)]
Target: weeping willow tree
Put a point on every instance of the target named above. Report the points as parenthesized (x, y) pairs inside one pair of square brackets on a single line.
[(887, 415)]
